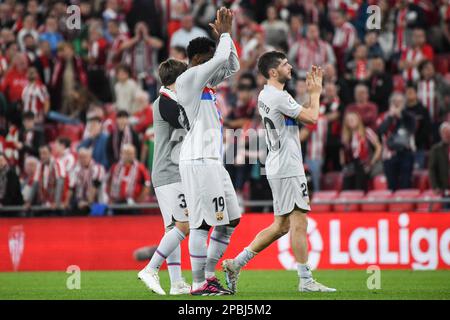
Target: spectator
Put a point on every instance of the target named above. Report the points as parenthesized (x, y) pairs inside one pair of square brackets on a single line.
[(46, 62), (344, 36), (51, 34), (296, 31), (397, 132), (367, 110), (414, 55), (87, 182), (380, 84), (35, 97), (50, 185), (15, 79), (10, 194), (333, 112), (142, 117), (31, 137), (125, 89), (65, 156), (26, 179), (374, 49), (29, 28), (433, 92), (422, 137), (128, 181), (96, 69), (186, 33), (141, 55), (97, 140), (121, 135), (69, 72), (179, 53), (275, 29), (245, 104), (315, 137), (438, 164), (310, 51), (361, 151), (358, 69), (116, 51)]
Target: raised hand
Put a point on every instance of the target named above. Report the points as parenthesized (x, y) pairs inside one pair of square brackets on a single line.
[(314, 80), (223, 22)]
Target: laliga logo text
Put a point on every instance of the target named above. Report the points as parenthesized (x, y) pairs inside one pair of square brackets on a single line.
[(377, 245), (74, 280)]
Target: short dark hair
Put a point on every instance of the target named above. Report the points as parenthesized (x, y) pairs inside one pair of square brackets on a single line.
[(169, 71), (268, 61), (411, 85), (200, 45), (423, 64), (28, 115), (125, 68), (181, 50), (66, 142), (122, 114)]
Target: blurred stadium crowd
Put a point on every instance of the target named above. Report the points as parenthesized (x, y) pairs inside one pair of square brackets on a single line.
[(76, 104)]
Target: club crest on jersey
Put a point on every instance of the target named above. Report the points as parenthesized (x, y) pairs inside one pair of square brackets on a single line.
[(219, 216)]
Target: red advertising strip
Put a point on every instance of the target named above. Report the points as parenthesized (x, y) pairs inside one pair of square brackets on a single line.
[(336, 241)]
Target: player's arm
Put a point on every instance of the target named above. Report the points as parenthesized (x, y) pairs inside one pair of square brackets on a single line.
[(310, 113), (228, 69), (207, 70)]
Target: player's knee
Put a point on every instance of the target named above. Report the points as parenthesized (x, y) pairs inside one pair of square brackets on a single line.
[(183, 227), (282, 228)]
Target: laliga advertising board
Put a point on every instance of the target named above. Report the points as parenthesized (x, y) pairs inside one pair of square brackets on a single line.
[(418, 241)]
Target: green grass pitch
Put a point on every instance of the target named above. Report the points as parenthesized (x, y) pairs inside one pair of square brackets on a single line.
[(258, 285)]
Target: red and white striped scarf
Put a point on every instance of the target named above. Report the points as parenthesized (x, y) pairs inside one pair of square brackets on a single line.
[(311, 53), (85, 176), (412, 55), (317, 139), (47, 175), (126, 139), (34, 96), (426, 92), (400, 41), (122, 183)]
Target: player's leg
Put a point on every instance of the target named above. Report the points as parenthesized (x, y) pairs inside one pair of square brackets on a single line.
[(263, 239), (168, 198), (221, 235)]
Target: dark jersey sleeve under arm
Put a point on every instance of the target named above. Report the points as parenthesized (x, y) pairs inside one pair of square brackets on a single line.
[(168, 109)]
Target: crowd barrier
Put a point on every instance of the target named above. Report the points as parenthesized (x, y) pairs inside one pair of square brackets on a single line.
[(351, 240)]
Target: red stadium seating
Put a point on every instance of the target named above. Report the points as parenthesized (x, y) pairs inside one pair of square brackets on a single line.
[(404, 194), (429, 194), (71, 131), (421, 180), (332, 181), (377, 195), (349, 195), (380, 182), (323, 195)]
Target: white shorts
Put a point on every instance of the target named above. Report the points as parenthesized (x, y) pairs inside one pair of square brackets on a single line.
[(172, 203), (288, 192), (210, 194)]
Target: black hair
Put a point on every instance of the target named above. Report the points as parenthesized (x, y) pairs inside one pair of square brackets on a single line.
[(268, 61), (122, 114), (169, 71), (181, 50), (28, 115), (423, 64), (125, 68), (200, 45), (248, 76), (66, 142), (411, 84)]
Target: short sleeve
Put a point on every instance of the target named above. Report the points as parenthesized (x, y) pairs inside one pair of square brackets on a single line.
[(288, 106)]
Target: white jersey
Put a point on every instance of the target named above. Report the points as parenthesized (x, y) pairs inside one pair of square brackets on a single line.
[(201, 115), (279, 112)]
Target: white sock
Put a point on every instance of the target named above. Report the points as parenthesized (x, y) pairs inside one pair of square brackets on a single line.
[(244, 257), (218, 243), (168, 244), (304, 271), (198, 252), (174, 265)]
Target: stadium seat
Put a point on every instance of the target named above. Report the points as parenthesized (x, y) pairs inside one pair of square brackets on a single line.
[(404, 194), (332, 181), (425, 207), (323, 195), (380, 182), (377, 195), (71, 131), (398, 82), (349, 195), (421, 180)]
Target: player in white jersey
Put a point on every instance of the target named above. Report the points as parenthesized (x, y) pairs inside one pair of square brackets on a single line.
[(210, 196), (284, 168)]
